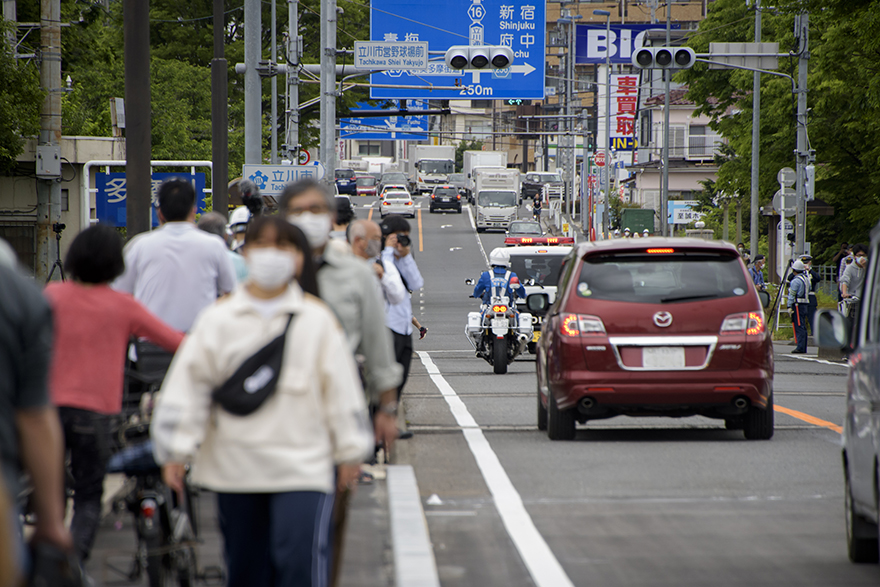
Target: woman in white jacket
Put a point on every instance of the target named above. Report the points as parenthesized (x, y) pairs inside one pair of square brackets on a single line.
[(272, 470)]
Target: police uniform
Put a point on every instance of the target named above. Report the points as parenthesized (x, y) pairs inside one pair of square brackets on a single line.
[(798, 301)]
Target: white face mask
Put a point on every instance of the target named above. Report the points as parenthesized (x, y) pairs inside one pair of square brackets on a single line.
[(316, 227), (270, 268)]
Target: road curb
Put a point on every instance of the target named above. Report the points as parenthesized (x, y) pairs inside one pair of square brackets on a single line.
[(414, 564)]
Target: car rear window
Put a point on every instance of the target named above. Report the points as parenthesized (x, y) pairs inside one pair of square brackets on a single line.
[(344, 174), (661, 278), (524, 228), (366, 181), (446, 192), (543, 268)]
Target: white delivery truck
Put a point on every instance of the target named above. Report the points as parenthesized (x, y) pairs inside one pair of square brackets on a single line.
[(475, 159), (430, 165), (496, 191)]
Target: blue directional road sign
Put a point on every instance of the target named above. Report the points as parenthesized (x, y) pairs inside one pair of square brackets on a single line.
[(386, 128), (518, 24), (112, 191)]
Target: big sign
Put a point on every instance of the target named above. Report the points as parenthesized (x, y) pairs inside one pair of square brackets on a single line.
[(518, 24)]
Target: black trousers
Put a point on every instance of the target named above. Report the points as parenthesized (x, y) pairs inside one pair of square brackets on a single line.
[(87, 441), (799, 323), (403, 350)]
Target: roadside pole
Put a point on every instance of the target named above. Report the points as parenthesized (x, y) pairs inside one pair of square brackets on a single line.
[(273, 158), (804, 153), (219, 115), (328, 88), (756, 141), (291, 139), (136, 26), (664, 181), (48, 149), (253, 127)]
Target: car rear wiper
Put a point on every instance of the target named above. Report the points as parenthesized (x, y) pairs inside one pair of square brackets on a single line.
[(683, 298)]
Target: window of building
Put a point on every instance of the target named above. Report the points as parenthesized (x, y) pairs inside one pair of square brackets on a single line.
[(65, 200), (702, 142), (369, 148)]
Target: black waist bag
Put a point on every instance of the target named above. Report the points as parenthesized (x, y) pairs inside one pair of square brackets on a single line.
[(255, 380)]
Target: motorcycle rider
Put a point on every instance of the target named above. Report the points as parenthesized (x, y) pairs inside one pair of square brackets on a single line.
[(499, 278)]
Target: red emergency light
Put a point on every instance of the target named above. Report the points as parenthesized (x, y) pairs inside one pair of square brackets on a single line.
[(531, 240)]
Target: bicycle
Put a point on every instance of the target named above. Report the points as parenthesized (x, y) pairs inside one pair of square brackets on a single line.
[(166, 524)]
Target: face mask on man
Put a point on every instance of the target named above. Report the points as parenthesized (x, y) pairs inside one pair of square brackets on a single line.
[(373, 248), (316, 227), (270, 268), (860, 261)]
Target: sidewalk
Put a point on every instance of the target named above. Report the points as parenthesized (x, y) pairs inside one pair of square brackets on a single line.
[(369, 558)]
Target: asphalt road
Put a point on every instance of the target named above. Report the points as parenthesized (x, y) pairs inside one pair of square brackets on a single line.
[(630, 501)]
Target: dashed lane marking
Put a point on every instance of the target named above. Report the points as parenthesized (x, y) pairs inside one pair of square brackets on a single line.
[(542, 564)]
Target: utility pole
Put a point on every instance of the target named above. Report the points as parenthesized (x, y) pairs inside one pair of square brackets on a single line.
[(10, 13), (328, 87), (607, 139), (756, 141), (48, 149), (292, 136), (138, 184), (219, 114), (253, 88), (664, 181), (274, 86), (804, 153)]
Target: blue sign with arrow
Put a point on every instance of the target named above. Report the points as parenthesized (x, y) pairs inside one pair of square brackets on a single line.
[(518, 24), (386, 128)]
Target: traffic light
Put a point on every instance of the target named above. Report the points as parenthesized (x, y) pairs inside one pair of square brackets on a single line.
[(479, 57), (664, 58)]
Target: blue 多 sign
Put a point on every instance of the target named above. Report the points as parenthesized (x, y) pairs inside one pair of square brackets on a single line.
[(386, 128), (591, 46), (111, 196), (518, 24)]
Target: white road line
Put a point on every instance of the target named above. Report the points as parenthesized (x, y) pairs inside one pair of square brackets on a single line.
[(476, 234), (536, 554), (414, 563), (824, 362)]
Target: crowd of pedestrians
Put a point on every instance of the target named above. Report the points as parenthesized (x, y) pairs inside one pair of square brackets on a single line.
[(312, 333)]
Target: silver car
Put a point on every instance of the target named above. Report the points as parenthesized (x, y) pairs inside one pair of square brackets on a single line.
[(397, 202), (858, 334)]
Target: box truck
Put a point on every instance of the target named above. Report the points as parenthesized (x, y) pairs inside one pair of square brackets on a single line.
[(475, 159), (430, 165), (496, 192)]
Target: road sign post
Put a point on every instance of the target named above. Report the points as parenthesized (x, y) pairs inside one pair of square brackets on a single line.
[(518, 25)]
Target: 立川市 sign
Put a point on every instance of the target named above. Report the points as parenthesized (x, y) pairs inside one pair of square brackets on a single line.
[(272, 179), (390, 55)]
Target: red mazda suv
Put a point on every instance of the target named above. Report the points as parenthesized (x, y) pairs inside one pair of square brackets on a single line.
[(654, 327)]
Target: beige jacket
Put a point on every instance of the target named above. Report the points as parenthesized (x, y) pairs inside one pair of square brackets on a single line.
[(316, 418)]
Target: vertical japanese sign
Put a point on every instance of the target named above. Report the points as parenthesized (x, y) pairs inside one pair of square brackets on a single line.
[(624, 105), (111, 197)]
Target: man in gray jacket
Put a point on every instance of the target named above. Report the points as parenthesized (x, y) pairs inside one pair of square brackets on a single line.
[(852, 281)]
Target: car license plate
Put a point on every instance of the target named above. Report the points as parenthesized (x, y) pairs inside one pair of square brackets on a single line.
[(536, 336), (499, 322), (663, 357), (444, 199)]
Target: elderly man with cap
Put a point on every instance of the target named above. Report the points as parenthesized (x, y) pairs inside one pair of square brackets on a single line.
[(757, 273), (798, 301)]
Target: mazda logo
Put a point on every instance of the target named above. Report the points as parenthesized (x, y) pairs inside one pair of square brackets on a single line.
[(663, 319)]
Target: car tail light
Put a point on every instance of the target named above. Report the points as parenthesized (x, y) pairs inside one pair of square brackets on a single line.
[(458, 197), (386, 203), (582, 325), (756, 323), (750, 323), (408, 204), (148, 508), (499, 309), (660, 251)]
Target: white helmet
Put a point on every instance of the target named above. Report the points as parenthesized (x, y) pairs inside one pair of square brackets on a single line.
[(798, 266), (645, 231), (626, 229), (239, 219), (499, 258)]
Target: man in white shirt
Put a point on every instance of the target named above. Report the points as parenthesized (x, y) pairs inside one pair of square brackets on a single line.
[(176, 270), (399, 316)]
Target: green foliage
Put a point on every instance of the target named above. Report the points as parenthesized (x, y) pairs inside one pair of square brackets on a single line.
[(20, 101), (615, 206), (844, 98), (473, 145)]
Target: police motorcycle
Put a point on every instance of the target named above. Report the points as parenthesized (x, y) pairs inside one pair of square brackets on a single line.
[(498, 332)]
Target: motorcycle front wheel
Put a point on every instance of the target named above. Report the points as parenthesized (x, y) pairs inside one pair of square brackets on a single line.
[(499, 355)]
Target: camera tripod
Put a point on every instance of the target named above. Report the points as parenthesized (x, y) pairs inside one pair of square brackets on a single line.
[(57, 227)]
